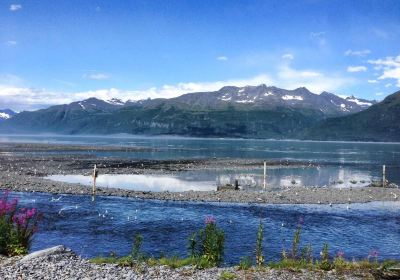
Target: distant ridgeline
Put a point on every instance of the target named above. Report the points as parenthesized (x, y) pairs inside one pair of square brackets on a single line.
[(248, 112)]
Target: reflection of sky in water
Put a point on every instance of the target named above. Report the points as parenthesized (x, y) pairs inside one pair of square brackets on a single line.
[(111, 223), (155, 183), (365, 157), (207, 180)]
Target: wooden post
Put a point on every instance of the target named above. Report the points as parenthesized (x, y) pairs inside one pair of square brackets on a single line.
[(265, 175), (236, 184), (95, 174), (384, 176)]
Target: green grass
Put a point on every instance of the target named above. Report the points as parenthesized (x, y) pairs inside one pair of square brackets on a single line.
[(176, 262), (227, 275), (123, 261), (338, 264), (291, 264), (245, 263)]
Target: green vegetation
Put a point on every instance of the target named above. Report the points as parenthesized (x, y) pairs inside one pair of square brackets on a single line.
[(17, 227), (206, 249), (207, 246), (245, 263), (259, 247), (227, 275)]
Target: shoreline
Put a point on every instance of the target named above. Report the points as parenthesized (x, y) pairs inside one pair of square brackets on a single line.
[(62, 263), (25, 173)]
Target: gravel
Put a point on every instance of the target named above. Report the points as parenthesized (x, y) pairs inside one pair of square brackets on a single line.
[(65, 264)]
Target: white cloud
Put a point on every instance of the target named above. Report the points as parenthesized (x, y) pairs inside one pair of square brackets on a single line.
[(373, 81), (357, 53), (353, 69), (11, 43), (96, 76), (317, 82), (15, 7), (389, 67), (388, 85), (222, 58), (319, 37), (317, 34), (288, 56), (379, 93), (19, 97)]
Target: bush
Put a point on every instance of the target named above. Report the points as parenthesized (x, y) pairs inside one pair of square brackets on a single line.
[(137, 245), (207, 246), (325, 264), (17, 227)]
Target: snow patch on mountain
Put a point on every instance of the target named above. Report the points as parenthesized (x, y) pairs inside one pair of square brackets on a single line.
[(4, 116), (358, 102), (292, 97), (82, 106), (116, 101)]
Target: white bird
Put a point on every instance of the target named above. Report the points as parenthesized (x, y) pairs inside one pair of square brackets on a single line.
[(55, 199), (330, 204), (348, 207)]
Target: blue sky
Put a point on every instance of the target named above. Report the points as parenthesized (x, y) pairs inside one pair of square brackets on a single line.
[(59, 51)]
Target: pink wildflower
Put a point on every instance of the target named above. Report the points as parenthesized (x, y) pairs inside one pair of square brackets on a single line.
[(340, 254), (210, 220)]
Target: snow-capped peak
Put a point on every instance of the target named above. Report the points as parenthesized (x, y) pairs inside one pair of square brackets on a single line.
[(116, 101)]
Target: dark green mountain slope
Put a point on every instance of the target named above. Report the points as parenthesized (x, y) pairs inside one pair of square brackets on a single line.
[(380, 122)]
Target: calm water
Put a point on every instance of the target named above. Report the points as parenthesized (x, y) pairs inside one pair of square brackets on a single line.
[(340, 161), (110, 224)]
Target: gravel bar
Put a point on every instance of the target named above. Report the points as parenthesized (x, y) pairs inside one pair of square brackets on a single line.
[(25, 172)]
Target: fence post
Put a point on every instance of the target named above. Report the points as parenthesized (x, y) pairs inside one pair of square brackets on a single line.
[(265, 175), (95, 174), (384, 176)]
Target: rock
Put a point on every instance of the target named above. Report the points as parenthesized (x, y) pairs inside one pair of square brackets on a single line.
[(43, 253)]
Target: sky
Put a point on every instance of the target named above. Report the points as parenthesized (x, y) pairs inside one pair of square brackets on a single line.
[(56, 52)]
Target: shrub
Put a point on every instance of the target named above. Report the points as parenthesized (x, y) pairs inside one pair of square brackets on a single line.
[(136, 253), (207, 246), (17, 227), (325, 264), (296, 240), (259, 248)]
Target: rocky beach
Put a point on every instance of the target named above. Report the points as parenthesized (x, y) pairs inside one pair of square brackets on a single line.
[(61, 263)]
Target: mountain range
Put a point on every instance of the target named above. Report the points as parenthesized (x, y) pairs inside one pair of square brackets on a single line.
[(250, 112)]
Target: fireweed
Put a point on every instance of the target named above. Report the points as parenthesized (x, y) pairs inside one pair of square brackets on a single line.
[(207, 245), (17, 226)]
